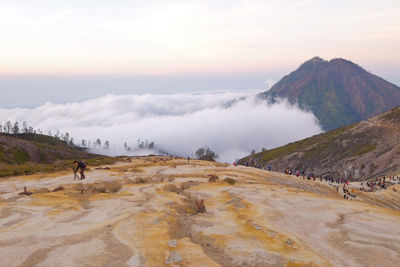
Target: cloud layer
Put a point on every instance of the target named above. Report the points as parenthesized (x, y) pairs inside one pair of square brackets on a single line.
[(177, 123)]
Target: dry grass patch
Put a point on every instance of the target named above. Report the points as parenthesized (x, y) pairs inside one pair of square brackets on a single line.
[(230, 181), (105, 187), (172, 188)]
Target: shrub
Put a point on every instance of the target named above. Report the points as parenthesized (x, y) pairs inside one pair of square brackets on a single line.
[(172, 188), (230, 181)]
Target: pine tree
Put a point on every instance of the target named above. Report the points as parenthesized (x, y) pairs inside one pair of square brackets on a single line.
[(15, 129), (8, 127), (24, 127), (66, 137), (106, 145), (98, 142)]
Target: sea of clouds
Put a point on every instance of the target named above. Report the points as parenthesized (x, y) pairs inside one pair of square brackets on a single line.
[(230, 123)]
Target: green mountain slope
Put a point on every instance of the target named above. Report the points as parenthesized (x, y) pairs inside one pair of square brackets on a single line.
[(360, 151), (338, 92), (31, 153)]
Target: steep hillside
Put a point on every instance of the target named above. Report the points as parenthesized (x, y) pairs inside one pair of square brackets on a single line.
[(338, 92), (359, 151), (30, 153)]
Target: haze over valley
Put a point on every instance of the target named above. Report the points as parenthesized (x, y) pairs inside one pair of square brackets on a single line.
[(230, 123)]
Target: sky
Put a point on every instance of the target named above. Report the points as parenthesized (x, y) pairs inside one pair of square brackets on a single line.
[(121, 37), (98, 68)]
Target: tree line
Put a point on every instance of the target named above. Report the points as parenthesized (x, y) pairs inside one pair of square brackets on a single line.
[(204, 153), (23, 128)]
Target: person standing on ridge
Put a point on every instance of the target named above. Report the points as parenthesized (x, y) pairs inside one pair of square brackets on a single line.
[(80, 165)]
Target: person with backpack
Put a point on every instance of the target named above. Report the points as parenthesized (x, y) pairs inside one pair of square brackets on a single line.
[(82, 166)]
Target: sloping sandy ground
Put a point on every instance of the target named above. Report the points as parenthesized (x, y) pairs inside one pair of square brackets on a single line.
[(141, 212)]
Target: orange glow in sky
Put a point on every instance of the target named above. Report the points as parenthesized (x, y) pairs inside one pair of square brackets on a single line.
[(173, 37)]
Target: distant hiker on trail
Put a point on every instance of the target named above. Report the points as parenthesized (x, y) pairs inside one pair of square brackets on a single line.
[(188, 159), (82, 166)]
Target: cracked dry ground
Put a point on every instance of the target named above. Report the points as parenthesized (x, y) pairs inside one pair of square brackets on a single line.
[(140, 212)]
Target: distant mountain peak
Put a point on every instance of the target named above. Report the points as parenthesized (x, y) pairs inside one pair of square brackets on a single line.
[(338, 92), (317, 60)]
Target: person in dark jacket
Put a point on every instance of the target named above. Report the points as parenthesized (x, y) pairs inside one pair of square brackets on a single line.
[(80, 165)]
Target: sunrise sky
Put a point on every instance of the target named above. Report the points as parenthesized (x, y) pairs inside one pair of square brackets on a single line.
[(170, 37), (128, 69), (75, 50)]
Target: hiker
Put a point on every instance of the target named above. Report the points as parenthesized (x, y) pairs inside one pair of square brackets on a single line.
[(80, 165), (188, 159)]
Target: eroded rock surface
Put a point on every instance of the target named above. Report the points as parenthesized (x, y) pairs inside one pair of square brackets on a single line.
[(143, 213)]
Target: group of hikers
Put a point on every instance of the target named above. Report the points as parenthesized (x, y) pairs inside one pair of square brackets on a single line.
[(258, 166), (380, 183), (367, 186)]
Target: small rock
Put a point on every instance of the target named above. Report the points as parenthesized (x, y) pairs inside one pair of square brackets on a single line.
[(172, 243), (173, 257), (272, 234), (289, 242), (59, 188), (155, 221), (257, 227)]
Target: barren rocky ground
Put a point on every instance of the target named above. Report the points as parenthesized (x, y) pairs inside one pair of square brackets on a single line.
[(142, 212)]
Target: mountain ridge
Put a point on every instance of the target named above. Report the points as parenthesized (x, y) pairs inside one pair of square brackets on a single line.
[(338, 92), (361, 151)]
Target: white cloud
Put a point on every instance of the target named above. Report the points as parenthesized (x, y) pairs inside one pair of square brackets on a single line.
[(179, 123)]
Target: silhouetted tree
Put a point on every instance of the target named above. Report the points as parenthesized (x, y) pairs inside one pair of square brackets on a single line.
[(205, 153), (98, 142), (151, 145), (140, 144), (24, 127), (106, 145), (15, 129), (127, 148), (66, 137), (8, 127)]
